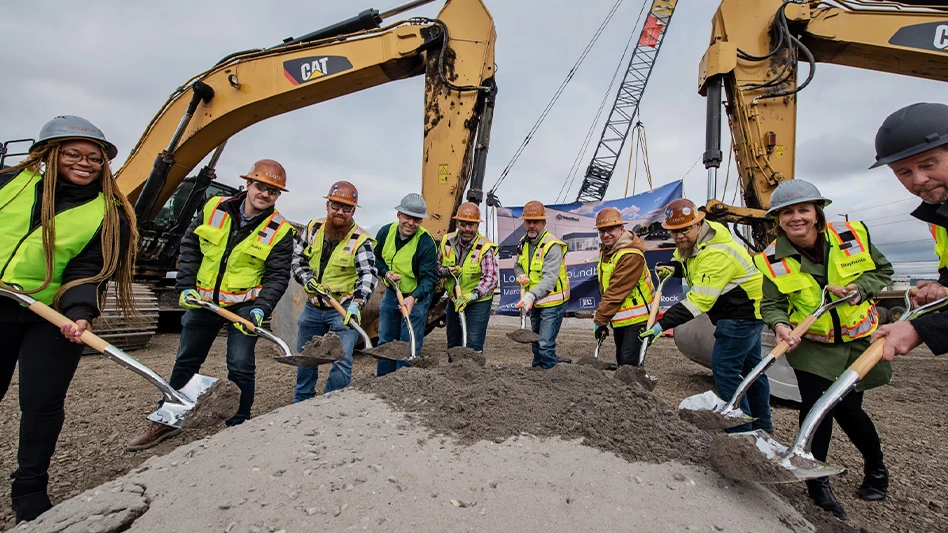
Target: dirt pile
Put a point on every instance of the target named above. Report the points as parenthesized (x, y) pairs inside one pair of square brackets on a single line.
[(215, 405), (458, 353), (740, 459)]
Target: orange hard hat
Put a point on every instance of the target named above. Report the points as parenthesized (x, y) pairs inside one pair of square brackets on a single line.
[(267, 171), (534, 210), (681, 213), (344, 193), (468, 212), (608, 218)]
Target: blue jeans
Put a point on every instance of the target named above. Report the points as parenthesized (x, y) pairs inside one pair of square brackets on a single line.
[(476, 314), (736, 352), (392, 327), (316, 322), (199, 328), (546, 322)]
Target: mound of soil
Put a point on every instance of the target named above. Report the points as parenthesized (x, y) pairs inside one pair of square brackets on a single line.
[(739, 459), (635, 375), (459, 353), (325, 348), (524, 336), (589, 360), (394, 350), (218, 403), (711, 420)]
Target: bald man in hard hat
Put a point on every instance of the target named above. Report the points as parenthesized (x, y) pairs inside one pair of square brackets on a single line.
[(625, 286), (235, 255), (469, 256), (333, 256), (541, 272)]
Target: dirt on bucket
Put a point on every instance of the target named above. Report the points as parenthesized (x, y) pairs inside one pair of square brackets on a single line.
[(710, 420), (218, 403), (524, 336), (635, 375), (323, 349), (738, 458), (459, 353), (394, 350)]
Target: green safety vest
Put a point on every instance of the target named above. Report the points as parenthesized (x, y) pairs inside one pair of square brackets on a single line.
[(848, 258), (400, 262), (941, 245), (21, 250), (634, 308), (470, 265), (533, 266), (239, 278), (340, 275)]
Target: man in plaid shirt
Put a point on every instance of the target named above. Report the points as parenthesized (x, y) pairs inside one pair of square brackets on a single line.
[(336, 256)]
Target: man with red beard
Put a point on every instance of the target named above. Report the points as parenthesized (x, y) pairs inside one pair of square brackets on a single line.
[(336, 256)]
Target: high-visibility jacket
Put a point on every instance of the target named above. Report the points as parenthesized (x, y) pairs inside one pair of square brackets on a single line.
[(634, 308), (470, 264), (848, 258), (533, 267), (340, 275), (22, 259), (236, 275), (400, 261), (941, 245)]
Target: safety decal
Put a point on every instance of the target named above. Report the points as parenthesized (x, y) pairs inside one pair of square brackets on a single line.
[(305, 69)]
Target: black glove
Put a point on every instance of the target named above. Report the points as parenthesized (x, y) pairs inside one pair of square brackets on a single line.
[(601, 332)]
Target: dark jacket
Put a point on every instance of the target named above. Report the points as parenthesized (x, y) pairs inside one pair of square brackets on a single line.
[(276, 275), (80, 302), (424, 265), (931, 328)]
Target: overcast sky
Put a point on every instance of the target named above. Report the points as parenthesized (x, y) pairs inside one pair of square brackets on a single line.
[(115, 63)]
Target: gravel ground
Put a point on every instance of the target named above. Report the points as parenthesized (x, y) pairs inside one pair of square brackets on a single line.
[(106, 408)]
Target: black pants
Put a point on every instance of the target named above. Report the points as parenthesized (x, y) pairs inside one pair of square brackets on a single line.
[(628, 344), (848, 413), (47, 364)]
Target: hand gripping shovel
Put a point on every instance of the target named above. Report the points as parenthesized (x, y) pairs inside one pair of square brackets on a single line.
[(594, 361), (708, 411), (797, 463), (462, 351), (523, 335), (287, 358), (188, 407), (323, 348), (644, 379)]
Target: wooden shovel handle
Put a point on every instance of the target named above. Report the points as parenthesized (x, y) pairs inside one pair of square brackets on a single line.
[(233, 317), (89, 338), (782, 347), (457, 290), (869, 358), (335, 304), (401, 299), (653, 312)]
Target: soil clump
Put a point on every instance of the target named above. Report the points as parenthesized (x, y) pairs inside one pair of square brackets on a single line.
[(589, 360), (218, 403), (394, 350), (459, 353), (738, 458), (710, 420), (635, 375), (324, 349), (524, 336)]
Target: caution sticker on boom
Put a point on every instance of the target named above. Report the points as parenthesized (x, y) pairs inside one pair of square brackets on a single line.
[(307, 69)]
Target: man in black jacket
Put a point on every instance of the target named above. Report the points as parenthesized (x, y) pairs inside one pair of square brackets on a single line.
[(913, 142), (236, 254)]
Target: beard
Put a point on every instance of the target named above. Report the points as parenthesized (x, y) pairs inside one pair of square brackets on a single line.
[(933, 194), (337, 228), (684, 250)]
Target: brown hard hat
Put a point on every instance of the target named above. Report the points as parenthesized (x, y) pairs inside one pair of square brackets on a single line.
[(681, 213), (267, 171), (608, 218), (344, 193), (534, 210), (468, 212)]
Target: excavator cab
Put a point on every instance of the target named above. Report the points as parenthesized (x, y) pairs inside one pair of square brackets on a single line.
[(6, 152)]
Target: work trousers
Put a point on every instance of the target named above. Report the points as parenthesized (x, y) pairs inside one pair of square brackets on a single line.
[(848, 413), (628, 344), (476, 314), (392, 327), (546, 322), (199, 329), (315, 321), (736, 352)]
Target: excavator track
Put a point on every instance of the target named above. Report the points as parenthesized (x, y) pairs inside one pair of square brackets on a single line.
[(127, 333)]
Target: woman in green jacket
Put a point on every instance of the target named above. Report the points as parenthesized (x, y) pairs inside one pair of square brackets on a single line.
[(808, 255)]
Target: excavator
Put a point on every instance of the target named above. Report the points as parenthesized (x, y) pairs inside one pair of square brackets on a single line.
[(455, 54), (754, 53)]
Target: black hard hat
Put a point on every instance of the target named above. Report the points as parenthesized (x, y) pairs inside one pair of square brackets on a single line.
[(910, 131)]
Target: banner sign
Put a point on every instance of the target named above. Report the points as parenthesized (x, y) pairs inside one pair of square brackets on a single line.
[(575, 224)]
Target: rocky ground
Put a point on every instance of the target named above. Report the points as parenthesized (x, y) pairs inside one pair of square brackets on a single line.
[(106, 405)]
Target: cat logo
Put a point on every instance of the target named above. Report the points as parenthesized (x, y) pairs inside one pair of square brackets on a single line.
[(941, 37), (306, 69)]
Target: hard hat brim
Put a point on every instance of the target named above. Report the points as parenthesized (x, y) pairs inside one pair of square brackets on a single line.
[(110, 149), (699, 216), (772, 212), (467, 219), (270, 183), (347, 202), (409, 212), (915, 150)]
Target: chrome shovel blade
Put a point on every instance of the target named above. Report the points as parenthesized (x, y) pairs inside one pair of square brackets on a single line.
[(172, 413), (709, 401), (801, 466)]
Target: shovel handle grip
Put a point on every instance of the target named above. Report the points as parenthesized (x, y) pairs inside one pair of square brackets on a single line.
[(457, 291), (782, 346), (233, 317), (336, 305), (401, 299), (869, 358), (50, 314)]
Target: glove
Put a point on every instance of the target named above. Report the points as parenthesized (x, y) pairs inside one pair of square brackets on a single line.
[(523, 280), (601, 332), (256, 316), (649, 335), (314, 287), (526, 303), (461, 303), (189, 293), (456, 271), (352, 314), (664, 268)]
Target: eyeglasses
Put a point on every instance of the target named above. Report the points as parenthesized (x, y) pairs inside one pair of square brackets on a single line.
[(335, 206), (272, 191), (610, 228), (681, 231), (467, 225), (72, 158)]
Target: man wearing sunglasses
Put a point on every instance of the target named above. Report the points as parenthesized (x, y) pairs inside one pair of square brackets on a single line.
[(335, 256), (727, 286), (236, 254)]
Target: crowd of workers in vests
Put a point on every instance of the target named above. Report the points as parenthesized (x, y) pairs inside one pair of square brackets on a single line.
[(70, 229)]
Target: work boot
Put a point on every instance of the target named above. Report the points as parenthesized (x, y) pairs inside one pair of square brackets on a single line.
[(822, 495), (152, 436), (562, 359), (875, 485), (29, 499)]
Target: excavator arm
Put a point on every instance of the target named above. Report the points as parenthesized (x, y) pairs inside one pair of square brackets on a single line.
[(754, 53)]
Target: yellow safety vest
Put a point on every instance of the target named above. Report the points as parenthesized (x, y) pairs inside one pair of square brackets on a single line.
[(941, 245), (400, 262), (240, 275), (634, 308), (470, 265), (533, 266), (21, 250), (848, 258), (340, 275)]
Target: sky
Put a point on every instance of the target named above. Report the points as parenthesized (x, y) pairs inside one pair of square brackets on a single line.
[(115, 63)]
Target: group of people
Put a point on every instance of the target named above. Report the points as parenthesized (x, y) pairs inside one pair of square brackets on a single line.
[(70, 229)]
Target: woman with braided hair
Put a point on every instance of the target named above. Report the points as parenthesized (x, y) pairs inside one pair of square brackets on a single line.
[(67, 230)]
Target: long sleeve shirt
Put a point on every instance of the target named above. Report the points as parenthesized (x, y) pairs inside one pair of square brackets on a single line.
[(551, 267), (364, 263), (932, 327), (424, 264), (624, 278), (490, 268)]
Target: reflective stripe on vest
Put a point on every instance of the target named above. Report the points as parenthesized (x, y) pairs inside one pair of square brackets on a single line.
[(340, 275), (471, 272), (533, 266), (246, 262), (634, 308), (941, 245), (848, 258), (400, 262), (22, 256)]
